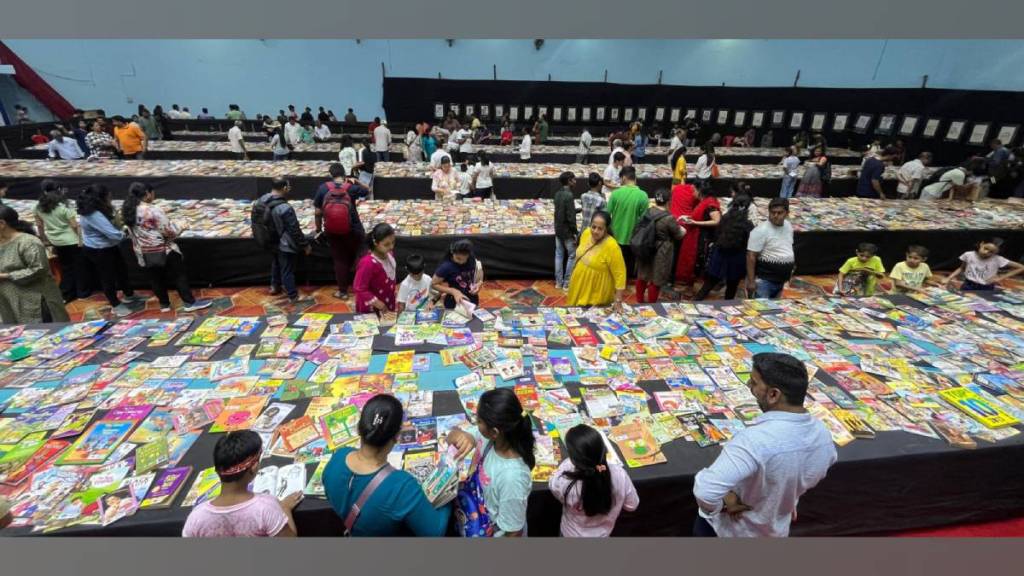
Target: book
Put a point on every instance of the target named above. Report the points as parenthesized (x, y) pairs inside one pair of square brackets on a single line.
[(339, 427), (159, 422), (272, 417), (98, 442), (239, 413), (280, 482), (297, 433), (204, 488), (399, 362), (315, 487), (636, 444), (978, 408), (152, 455), (166, 486)]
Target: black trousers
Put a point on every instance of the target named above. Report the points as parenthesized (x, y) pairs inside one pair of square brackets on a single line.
[(630, 260), (74, 279), (172, 273), (710, 283), (111, 270), (703, 529)]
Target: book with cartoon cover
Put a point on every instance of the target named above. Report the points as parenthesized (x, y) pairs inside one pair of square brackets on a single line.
[(340, 427), (204, 488), (97, 443), (297, 433), (166, 486), (636, 444), (240, 413)]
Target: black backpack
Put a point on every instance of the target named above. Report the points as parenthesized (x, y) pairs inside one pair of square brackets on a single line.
[(644, 242), (264, 231)]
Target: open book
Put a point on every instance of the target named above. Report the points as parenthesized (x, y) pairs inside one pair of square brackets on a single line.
[(280, 482)]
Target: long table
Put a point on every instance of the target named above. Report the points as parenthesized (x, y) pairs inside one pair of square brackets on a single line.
[(897, 481)]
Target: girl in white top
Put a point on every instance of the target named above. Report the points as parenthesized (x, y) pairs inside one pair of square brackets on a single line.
[(705, 163), (524, 147), (483, 172), (415, 149)]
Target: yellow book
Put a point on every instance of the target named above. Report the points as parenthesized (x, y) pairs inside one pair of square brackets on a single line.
[(978, 408)]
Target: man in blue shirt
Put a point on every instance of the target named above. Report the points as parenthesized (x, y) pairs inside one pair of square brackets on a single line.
[(61, 148), (870, 183)]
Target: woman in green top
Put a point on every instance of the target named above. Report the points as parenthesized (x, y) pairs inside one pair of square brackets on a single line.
[(504, 438), (57, 224), (28, 294), (398, 506), (306, 136)]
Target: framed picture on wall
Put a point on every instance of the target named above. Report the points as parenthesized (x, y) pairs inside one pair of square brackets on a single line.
[(956, 129), (527, 113), (705, 116), (909, 125), (796, 120), (979, 133), (818, 121), (862, 123), (438, 110), (1008, 133), (723, 118), (886, 123), (499, 110), (627, 114), (556, 114), (570, 114), (757, 118), (641, 114), (542, 111), (673, 115), (613, 115), (691, 113), (513, 113), (931, 128), (454, 108), (778, 118), (839, 121), (659, 114), (485, 111), (600, 113), (585, 114), (470, 109), (739, 118)]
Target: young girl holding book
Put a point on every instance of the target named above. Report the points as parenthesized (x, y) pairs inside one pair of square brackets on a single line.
[(374, 284), (237, 512), (592, 491), (504, 439)]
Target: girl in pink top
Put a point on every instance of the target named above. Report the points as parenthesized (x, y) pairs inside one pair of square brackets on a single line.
[(375, 276), (592, 491)]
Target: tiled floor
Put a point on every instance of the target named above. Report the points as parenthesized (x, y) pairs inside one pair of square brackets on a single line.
[(254, 301)]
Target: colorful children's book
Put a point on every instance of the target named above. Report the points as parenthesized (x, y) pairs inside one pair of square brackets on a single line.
[(339, 427), (205, 487), (239, 414), (280, 482), (272, 417), (637, 444), (98, 442), (297, 433), (152, 455), (159, 423), (399, 362), (166, 486), (978, 408)]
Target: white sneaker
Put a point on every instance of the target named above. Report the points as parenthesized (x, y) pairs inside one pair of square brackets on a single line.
[(197, 305), (122, 310)]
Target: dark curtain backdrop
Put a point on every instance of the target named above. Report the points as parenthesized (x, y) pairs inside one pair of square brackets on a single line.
[(412, 99)]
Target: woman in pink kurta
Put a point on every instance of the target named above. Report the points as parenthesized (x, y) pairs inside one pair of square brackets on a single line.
[(375, 275)]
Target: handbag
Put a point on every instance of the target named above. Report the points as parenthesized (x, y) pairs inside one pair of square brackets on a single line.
[(471, 517), (357, 506), (715, 173)]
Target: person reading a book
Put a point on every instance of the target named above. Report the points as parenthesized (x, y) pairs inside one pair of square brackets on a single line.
[(599, 277), (390, 502), (981, 267), (374, 284), (912, 274), (753, 487), (859, 274), (237, 512), (504, 439), (460, 275), (593, 492)]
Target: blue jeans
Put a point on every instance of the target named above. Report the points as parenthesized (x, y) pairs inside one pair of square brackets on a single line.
[(766, 289), (384, 156), (282, 274), (562, 278), (279, 157), (788, 185)]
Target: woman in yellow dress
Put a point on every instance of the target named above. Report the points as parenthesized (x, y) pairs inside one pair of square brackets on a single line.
[(599, 278), (678, 163)]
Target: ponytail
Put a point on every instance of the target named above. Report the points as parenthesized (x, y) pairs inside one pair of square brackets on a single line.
[(129, 210), (501, 410), (590, 462)]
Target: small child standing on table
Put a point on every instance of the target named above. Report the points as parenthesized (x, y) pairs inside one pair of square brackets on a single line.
[(858, 275), (237, 512), (912, 274), (414, 292), (592, 491), (981, 267)]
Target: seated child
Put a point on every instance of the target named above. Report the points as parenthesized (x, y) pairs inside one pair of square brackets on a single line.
[(912, 274), (414, 292), (237, 512), (981, 267), (858, 275)]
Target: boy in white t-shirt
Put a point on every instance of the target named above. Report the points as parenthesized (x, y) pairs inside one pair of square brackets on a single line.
[(414, 292), (912, 274)]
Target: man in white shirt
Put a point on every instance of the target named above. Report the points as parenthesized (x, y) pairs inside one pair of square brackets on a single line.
[(237, 140), (952, 183), (911, 175), (465, 138), (586, 141), (770, 258), (525, 146), (611, 177), (382, 142), (616, 147), (292, 132), (753, 487), (322, 132), (174, 113), (186, 114), (437, 156)]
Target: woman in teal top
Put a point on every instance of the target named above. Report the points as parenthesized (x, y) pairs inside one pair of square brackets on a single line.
[(398, 507)]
